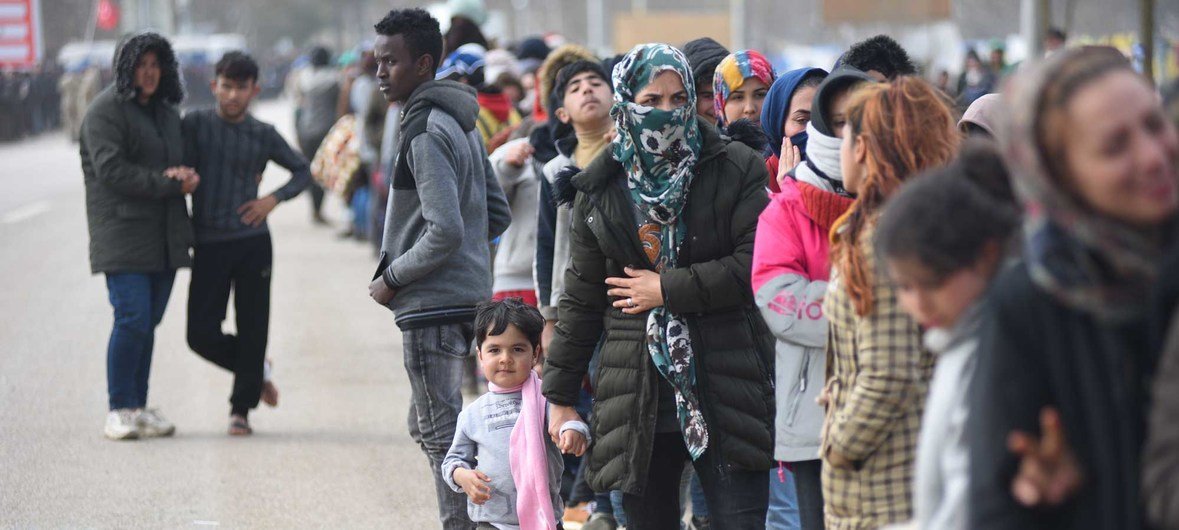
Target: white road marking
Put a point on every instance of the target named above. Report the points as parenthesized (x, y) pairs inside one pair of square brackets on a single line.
[(206, 523), (25, 212)]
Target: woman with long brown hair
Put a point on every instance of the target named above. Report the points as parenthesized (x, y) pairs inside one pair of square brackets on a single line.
[(878, 372)]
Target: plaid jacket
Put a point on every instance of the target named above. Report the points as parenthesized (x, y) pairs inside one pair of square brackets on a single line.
[(878, 376)]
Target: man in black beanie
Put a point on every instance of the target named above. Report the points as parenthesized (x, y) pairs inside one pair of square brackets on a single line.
[(703, 55)]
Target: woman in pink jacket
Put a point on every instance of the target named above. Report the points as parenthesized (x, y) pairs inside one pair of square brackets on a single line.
[(790, 271)]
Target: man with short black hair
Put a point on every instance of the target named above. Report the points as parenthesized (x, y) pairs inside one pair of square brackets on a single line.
[(880, 57), (444, 208), (230, 148)]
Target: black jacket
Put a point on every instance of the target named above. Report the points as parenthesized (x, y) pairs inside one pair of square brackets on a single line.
[(137, 217), (1035, 352), (710, 288)]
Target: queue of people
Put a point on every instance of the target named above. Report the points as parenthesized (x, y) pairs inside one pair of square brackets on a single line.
[(803, 299)]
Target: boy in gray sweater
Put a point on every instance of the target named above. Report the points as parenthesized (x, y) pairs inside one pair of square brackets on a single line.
[(444, 208), (503, 432)]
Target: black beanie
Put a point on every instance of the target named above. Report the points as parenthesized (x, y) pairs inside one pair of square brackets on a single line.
[(703, 55), (533, 48), (839, 80)]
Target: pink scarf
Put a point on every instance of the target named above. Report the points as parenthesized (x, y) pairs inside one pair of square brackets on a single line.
[(529, 458)]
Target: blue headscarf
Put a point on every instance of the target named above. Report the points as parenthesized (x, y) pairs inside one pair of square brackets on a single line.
[(777, 104)]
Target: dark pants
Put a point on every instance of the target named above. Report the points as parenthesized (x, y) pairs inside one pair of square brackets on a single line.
[(736, 499), (243, 265), (434, 360), (810, 493), (309, 146), (139, 300)]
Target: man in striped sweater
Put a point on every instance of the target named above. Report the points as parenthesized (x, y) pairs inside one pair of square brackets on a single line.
[(230, 149)]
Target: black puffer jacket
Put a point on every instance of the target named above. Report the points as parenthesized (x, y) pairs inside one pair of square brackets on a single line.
[(710, 289), (137, 216)]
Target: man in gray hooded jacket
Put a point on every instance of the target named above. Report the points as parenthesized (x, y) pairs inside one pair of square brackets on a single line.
[(444, 207)]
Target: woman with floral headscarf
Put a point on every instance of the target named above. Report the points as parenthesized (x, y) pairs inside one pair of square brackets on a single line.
[(740, 85), (1065, 362), (662, 244)]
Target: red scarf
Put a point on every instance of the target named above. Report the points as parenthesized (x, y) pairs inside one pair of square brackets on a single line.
[(823, 206), (499, 105)]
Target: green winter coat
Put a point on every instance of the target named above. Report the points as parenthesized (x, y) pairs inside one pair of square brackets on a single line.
[(710, 288), (137, 216)]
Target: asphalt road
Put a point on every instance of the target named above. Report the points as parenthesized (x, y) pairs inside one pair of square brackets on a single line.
[(335, 453)]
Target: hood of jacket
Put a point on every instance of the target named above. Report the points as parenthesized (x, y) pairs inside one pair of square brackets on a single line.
[(839, 80), (171, 89), (452, 97)]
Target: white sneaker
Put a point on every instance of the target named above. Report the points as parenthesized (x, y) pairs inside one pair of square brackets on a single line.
[(153, 425), (121, 425)]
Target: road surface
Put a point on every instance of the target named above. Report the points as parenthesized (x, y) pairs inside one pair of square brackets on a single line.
[(335, 453)]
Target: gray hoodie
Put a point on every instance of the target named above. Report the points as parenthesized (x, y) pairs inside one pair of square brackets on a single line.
[(444, 207)]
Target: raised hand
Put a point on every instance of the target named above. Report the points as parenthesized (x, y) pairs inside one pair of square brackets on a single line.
[(1049, 473)]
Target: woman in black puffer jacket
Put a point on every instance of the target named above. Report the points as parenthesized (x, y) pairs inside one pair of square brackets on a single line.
[(662, 245)]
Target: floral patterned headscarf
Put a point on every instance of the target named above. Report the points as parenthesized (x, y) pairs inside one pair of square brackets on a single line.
[(731, 74), (658, 150)]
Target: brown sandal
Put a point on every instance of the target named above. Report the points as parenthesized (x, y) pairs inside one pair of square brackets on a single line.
[(239, 426)]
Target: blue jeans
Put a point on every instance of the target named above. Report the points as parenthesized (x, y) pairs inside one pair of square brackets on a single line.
[(359, 205), (139, 300), (783, 510), (434, 359), (699, 504)]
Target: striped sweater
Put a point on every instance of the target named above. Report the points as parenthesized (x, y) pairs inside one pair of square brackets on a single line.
[(230, 158)]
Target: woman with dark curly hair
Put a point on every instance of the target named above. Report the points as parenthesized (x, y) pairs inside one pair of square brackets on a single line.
[(140, 232)]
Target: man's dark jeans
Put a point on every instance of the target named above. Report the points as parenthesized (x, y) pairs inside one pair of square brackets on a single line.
[(736, 499), (244, 265), (434, 360), (139, 300)]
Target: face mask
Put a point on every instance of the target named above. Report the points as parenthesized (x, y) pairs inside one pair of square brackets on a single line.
[(799, 141)]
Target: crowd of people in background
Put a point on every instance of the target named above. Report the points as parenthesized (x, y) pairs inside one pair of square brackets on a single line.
[(701, 291), (30, 102)]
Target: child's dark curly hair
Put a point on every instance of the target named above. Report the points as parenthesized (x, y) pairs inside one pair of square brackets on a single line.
[(492, 318)]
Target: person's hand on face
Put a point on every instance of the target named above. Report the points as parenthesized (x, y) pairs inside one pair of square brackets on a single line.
[(639, 292), (791, 157)]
